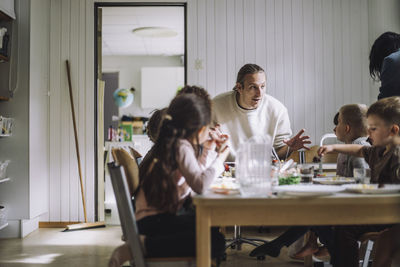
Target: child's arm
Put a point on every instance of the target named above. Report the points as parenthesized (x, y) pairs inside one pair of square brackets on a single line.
[(354, 150), (198, 176)]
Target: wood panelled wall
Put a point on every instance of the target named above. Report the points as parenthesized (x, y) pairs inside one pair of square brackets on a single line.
[(315, 52), (71, 37)]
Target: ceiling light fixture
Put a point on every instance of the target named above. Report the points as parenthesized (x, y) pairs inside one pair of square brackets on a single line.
[(155, 32)]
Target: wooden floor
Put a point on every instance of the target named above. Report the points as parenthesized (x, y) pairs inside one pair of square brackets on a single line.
[(52, 247)]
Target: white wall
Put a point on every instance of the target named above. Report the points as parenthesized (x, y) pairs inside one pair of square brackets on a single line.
[(39, 108), (26, 195), (71, 37), (15, 193), (129, 68), (315, 52)]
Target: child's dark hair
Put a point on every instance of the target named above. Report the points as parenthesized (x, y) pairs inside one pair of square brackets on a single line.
[(355, 115), (185, 116), (247, 69), (387, 109), (197, 90), (384, 45), (154, 124), (336, 119)]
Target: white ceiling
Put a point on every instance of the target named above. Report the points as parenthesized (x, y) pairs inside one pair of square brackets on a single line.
[(118, 23)]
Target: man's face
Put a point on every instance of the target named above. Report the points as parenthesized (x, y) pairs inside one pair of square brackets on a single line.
[(252, 90)]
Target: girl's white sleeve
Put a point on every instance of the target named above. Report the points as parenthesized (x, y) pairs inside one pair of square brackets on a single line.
[(198, 173)]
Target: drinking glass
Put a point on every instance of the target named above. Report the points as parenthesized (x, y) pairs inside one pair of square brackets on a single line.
[(306, 173), (362, 175)]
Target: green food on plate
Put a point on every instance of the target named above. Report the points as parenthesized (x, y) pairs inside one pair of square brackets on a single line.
[(289, 180)]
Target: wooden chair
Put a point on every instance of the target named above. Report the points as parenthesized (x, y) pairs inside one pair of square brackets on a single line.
[(123, 158), (136, 155), (132, 250), (313, 152)]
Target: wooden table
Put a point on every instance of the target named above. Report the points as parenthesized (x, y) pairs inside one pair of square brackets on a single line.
[(339, 209)]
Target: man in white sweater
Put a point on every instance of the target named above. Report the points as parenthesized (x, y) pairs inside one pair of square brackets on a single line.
[(248, 111)]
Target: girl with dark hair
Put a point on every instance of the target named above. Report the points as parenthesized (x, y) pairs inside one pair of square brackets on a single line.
[(384, 64), (176, 168)]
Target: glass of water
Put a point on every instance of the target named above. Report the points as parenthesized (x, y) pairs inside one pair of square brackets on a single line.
[(362, 175)]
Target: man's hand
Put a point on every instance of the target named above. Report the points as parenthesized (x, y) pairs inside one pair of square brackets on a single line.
[(297, 142)]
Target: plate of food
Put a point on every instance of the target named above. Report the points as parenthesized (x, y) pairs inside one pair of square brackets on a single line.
[(372, 188), (308, 190), (334, 180), (225, 185)]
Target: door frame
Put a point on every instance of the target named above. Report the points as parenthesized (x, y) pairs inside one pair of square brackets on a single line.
[(97, 6)]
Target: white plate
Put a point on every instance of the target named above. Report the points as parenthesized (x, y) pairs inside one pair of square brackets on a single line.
[(225, 186), (372, 188), (308, 190), (336, 180)]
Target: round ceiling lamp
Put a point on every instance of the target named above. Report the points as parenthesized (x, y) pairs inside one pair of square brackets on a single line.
[(155, 32)]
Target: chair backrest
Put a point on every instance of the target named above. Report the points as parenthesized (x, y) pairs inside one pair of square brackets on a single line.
[(125, 211), (135, 154), (313, 152), (123, 158)]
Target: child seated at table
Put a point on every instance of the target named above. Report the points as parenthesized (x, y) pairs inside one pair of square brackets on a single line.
[(350, 128), (384, 160), (174, 169), (154, 123)]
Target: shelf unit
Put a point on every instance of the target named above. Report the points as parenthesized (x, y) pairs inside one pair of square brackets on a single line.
[(4, 180), (7, 17), (3, 226)]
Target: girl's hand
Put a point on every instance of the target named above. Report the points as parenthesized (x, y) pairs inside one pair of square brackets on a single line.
[(325, 150), (218, 136), (223, 152), (210, 144)]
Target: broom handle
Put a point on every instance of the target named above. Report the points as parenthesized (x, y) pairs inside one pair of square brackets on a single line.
[(76, 137)]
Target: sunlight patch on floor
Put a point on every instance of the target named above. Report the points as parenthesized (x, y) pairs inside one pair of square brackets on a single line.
[(37, 259)]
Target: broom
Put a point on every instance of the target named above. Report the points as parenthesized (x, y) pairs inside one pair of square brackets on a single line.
[(85, 225)]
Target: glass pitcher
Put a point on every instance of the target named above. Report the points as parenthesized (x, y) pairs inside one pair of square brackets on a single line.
[(253, 166)]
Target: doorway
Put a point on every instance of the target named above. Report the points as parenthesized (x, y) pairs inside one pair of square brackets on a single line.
[(145, 44)]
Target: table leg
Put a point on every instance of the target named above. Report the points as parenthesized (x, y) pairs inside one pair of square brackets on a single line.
[(203, 237)]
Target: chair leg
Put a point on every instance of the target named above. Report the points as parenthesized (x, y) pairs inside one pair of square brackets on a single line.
[(247, 241), (237, 240), (256, 239), (368, 249)]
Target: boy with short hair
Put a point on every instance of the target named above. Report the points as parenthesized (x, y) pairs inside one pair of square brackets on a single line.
[(384, 160), (351, 128)]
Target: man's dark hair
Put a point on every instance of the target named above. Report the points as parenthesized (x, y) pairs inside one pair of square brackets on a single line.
[(247, 69)]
